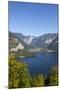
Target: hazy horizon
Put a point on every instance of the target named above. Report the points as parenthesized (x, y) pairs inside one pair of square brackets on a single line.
[(33, 19)]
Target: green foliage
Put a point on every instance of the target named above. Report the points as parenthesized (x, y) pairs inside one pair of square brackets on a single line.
[(53, 79), (18, 74), (38, 80)]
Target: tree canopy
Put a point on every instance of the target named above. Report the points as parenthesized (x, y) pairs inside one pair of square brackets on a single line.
[(19, 76)]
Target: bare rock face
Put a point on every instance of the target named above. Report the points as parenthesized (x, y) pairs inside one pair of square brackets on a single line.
[(48, 41), (28, 40), (19, 41), (20, 46)]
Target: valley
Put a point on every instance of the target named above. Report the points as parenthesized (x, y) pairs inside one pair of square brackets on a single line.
[(46, 42), (37, 55), (33, 44)]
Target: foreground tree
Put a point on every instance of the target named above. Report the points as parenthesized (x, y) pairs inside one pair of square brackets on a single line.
[(19, 76), (53, 78), (18, 73), (38, 80)]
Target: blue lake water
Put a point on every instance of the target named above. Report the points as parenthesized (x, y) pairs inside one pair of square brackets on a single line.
[(42, 63)]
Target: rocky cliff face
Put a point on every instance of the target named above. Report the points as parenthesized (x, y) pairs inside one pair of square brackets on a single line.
[(19, 41), (28, 39), (54, 44), (44, 40), (14, 43)]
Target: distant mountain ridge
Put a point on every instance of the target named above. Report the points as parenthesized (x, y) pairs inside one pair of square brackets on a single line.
[(44, 40), (54, 44), (21, 41), (26, 39)]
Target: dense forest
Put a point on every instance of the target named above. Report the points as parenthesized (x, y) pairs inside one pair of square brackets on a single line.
[(19, 76)]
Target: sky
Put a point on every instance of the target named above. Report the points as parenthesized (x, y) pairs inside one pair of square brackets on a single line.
[(32, 18)]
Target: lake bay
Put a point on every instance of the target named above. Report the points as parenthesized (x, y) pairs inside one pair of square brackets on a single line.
[(42, 63)]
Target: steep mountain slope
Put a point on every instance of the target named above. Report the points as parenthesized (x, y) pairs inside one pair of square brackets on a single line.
[(20, 41), (16, 43), (19, 35), (44, 40), (26, 39), (54, 44)]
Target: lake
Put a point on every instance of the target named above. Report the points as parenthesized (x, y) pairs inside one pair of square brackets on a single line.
[(42, 63)]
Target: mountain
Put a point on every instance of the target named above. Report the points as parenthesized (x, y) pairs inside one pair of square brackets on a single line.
[(54, 44), (44, 40), (19, 41), (19, 35), (26, 39), (15, 42)]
